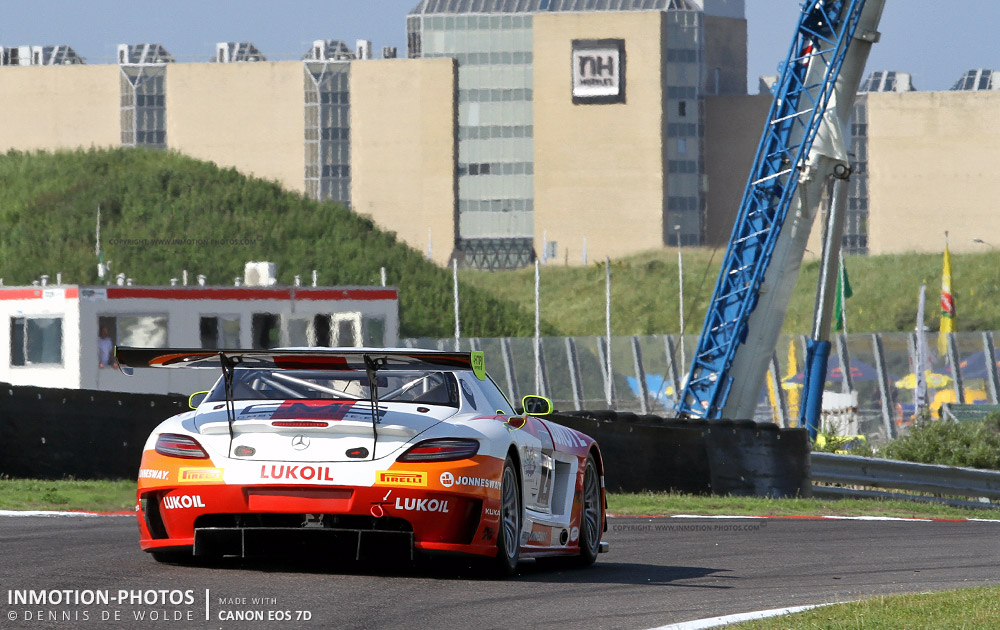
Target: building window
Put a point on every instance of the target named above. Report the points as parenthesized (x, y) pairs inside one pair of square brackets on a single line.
[(143, 106), (327, 131), (220, 331), (373, 329), (682, 108), (141, 331), (264, 330), (35, 341)]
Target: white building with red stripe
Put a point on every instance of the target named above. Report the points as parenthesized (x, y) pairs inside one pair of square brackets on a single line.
[(49, 336)]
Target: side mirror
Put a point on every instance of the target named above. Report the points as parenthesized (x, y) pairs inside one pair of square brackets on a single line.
[(196, 398), (536, 405)]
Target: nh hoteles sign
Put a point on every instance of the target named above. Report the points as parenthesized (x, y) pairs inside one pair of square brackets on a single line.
[(598, 71)]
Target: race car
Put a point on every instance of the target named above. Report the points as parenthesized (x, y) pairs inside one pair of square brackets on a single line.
[(363, 454)]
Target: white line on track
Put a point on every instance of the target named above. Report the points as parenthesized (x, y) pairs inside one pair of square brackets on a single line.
[(810, 518), (54, 513), (715, 622)]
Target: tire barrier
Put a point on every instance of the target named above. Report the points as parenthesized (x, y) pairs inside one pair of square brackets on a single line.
[(56, 433), (85, 434), (647, 452)]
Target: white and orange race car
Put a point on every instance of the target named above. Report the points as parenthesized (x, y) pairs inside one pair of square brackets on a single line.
[(363, 454)]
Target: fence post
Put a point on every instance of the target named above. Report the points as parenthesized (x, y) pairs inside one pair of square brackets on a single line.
[(845, 364), (991, 368), (574, 372), (883, 386), (640, 375), (543, 372), (779, 393), (508, 366), (604, 354), (956, 372), (668, 346)]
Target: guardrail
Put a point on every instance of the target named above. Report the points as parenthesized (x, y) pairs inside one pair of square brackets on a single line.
[(952, 481)]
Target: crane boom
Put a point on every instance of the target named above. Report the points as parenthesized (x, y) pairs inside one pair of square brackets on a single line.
[(802, 144)]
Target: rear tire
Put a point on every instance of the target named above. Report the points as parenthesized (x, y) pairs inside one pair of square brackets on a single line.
[(590, 516), (509, 536)]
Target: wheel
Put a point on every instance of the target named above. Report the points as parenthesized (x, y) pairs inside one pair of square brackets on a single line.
[(509, 537), (590, 519)]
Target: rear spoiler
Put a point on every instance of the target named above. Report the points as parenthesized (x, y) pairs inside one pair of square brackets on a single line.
[(302, 359)]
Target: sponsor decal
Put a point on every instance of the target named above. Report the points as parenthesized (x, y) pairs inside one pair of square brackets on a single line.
[(565, 437), (530, 461), (478, 360), (200, 474), (488, 534), (149, 473), (421, 505), (574, 534), (539, 537), (244, 451), (287, 472), (400, 478), (183, 501), (448, 480), (492, 512)]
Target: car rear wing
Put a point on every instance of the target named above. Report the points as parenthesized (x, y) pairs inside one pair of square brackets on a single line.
[(303, 359)]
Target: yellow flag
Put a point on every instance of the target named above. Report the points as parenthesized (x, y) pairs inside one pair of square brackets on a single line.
[(947, 304)]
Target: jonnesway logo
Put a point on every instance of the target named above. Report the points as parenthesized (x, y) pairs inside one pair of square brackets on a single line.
[(201, 474), (448, 480), (400, 478)]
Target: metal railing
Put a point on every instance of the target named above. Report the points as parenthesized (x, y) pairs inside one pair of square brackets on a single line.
[(938, 483)]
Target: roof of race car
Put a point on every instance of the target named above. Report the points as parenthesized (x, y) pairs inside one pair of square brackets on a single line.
[(302, 358)]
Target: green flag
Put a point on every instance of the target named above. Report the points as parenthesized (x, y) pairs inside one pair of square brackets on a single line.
[(843, 292)]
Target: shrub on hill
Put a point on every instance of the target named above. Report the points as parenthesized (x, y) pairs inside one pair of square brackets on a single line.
[(162, 213)]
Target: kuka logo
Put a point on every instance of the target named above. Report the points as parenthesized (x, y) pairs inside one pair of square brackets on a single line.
[(200, 474), (400, 478)]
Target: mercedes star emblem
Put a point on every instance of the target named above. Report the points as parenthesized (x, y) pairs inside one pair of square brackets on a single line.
[(300, 442)]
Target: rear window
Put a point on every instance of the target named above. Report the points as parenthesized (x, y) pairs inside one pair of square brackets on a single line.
[(425, 388)]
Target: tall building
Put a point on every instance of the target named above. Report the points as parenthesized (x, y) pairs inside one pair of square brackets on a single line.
[(530, 65)]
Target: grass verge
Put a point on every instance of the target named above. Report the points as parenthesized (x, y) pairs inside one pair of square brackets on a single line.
[(963, 608), (66, 495), (113, 496)]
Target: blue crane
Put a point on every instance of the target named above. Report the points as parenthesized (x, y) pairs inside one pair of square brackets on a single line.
[(801, 148)]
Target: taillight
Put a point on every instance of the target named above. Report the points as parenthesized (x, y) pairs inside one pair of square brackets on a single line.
[(174, 445), (440, 450)]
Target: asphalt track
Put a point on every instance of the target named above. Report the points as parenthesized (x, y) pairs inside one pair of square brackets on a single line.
[(659, 571)]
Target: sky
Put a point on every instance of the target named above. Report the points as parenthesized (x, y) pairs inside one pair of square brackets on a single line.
[(935, 40)]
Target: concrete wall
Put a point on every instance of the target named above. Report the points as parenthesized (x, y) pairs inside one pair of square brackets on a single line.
[(403, 123), (599, 171), (933, 160), (59, 107), (249, 116), (733, 126)]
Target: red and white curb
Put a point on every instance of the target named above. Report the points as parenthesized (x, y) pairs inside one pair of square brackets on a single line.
[(715, 622), (16, 513)]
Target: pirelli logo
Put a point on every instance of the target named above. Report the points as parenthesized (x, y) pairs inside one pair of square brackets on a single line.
[(200, 474), (400, 478)]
